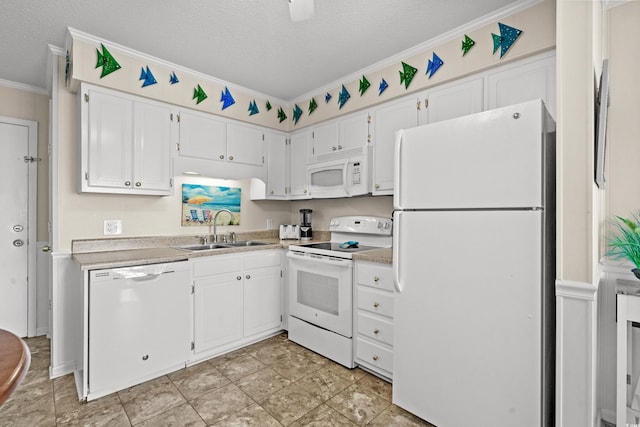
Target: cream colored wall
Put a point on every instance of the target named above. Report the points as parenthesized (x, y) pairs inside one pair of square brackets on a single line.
[(577, 55), (325, 209), (25, 105), (623, 138)]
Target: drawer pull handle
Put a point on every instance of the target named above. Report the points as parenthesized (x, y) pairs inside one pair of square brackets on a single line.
[(145, 357), (238, 277), (248, 276), (376, 279), (375, 357), (375, 304), (376, 331)]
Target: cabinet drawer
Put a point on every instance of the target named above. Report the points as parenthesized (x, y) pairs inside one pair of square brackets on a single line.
[(375, 328), (217, 264), (374, 301), (374, 355), (262, 259), (375, 276)]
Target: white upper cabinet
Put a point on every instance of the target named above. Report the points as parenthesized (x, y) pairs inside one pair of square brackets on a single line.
[(325, 139), (202, 136), (456, 99), (245, 144), (386, 120), (300, 146), (523, 81), (125, 143), (277, 165), (340, 138)]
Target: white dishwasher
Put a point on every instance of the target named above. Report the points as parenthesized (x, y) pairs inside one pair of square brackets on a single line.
[(138, 324)]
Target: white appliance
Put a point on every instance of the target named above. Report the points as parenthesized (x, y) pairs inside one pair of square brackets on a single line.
[(289, 232), (321, 285), (474, 269), (339, 178)]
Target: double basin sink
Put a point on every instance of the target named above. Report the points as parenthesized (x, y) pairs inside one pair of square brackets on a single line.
[(212, 246)]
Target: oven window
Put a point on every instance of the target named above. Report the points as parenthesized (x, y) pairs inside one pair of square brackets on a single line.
[(318, 292), (327, 178)]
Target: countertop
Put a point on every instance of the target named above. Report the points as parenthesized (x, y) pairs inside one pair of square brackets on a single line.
[(93, 254)]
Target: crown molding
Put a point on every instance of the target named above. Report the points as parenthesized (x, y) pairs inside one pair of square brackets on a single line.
[(24, 87)]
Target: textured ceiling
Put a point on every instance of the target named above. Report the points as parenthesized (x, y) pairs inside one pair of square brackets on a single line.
[(251, 43)]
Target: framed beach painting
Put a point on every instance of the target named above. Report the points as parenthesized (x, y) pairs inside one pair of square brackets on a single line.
[(200, 203)]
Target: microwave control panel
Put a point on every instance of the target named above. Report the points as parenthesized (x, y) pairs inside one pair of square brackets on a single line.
[(355, 173)]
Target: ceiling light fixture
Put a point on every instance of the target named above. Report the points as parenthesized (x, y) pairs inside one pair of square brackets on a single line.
[(300, 10)]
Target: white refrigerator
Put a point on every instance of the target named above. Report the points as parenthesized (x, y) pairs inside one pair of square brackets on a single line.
[(474, 267)]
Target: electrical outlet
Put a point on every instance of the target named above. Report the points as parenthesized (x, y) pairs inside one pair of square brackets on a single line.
[(269, 224), (112, 226)]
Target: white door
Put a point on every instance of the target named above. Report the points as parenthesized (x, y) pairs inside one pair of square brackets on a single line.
[(202, 136), (245, 144), (353, 133), (450, 101), (277, 161), (299, 149), (17, 174), (152, 146), (325, 139)]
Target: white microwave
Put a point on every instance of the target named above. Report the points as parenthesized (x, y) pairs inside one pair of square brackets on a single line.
[(339, 178)]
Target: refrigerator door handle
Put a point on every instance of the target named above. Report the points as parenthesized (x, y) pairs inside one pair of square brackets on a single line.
[(396, 251), (396, 169)]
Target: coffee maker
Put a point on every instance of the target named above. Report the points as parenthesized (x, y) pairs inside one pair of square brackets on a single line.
[(305, 224)]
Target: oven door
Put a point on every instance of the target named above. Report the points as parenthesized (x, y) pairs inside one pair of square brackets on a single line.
[(320, 291)]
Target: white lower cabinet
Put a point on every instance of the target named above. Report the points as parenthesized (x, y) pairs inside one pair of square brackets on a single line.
[(374, 317), (236, 300)]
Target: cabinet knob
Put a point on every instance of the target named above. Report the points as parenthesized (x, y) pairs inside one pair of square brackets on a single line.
[(376, 304), (334, 148), (339, 147), (377, 186), (238, 277), (221, 157), (375, 358), (138, 184), (230, 157), (127, 183), (305, 191), (145, 357), (248, 276), (271, 191), (376, 331), (376, 279)]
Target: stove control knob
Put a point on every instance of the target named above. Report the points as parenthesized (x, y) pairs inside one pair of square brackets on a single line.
[(386, 225), (336, 223), (379, 224)]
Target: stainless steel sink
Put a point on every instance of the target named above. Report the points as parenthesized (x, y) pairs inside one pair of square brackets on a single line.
[(246, 243), (212, 246), (204, 247)]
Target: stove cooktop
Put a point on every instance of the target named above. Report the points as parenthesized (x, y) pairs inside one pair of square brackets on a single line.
[(335, 246)]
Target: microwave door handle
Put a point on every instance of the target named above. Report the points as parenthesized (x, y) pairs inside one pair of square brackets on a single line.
[(345, 174)]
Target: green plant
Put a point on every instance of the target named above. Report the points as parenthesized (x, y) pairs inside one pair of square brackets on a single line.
[(625, 244)]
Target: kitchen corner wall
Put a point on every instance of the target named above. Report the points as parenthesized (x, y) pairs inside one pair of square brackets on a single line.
[(28, 105)]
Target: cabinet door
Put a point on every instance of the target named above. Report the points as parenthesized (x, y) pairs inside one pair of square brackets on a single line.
[(386, 121), (277, 161), (202, 136), (109, 140), (245, 144), (325, 139), (152, 146), (453, 100), (526, 81), (262, 294), (353, 134), (217, 311), (299, 148)]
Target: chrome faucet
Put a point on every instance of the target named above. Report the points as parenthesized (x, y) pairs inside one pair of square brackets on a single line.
[(215, 217)]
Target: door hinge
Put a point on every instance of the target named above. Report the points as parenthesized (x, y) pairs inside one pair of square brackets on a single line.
[(177, 146), (418, 104), (280, 273), (86, 176), (281, 318), (170, 182), (263, 160), (193, 289), (426, 103), (86, 97), (171, 116), (178, 117), (313, 134), (369, 119), (193, 346), (31, 159), (263, 136)]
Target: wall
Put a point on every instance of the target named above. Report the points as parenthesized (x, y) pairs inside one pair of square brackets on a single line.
[(325, 209), (623, 138), (28, 105)]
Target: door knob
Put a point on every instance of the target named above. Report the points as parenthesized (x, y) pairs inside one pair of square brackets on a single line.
[(46, 249), (18, 242), (18, 228)]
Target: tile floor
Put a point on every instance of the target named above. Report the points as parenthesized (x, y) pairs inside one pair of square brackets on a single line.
[(271, 383)]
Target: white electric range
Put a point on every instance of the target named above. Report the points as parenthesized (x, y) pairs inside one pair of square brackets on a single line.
[(321, 285)]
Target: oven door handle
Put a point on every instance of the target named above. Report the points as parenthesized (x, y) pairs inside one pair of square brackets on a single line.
[(338, 262)]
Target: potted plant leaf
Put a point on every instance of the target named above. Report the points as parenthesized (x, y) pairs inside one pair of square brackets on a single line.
[(625, 243)]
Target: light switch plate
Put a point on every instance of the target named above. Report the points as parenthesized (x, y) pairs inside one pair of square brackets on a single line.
[(112, 226)]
